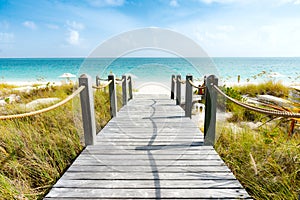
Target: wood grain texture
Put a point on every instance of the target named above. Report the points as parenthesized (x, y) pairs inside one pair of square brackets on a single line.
[(149, 151)]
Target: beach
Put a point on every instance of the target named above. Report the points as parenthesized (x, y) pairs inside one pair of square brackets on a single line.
[(149, 75)]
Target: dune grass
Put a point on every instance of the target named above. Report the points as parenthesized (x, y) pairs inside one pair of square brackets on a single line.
[(269, 87), (35, 151), (266, 161), (5, 86)]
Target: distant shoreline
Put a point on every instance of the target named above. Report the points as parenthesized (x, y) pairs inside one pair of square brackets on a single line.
[(141, 88), (17, 71)]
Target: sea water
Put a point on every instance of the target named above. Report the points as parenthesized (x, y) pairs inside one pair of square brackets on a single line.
[(287, 70)]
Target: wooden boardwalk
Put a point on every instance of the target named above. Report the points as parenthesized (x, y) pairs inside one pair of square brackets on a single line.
[(150, 151)]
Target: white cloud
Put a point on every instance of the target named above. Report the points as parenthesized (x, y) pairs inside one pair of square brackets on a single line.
[(241, 38), (281, 37), (6, 37), (73, 37), (75, 25), (174, 3), (295, 2), (30, 25), (103, 3)]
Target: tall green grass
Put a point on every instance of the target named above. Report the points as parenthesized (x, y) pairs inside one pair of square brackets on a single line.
[(270, 87), (266, 161), (36, 150)]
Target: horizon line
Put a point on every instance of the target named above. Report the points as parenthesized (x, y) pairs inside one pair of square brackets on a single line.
[(81, 57)]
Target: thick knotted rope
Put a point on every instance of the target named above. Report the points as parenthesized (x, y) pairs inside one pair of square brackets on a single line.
[(45, 109), (102, 86), (195, 86), (257, 109), (181, 81)]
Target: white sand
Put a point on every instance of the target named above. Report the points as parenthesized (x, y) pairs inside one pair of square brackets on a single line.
[(152, 88), (30, 83)]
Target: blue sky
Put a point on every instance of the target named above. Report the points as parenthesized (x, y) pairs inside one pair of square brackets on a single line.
[(65, 28)]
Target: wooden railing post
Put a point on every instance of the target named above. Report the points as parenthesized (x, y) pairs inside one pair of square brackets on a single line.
[(124, 89), (97, 81), (112, 95), (172, 86), (87, 109), (130, 87), (210, 110), (188, 96), (204, 83), (178, 90)]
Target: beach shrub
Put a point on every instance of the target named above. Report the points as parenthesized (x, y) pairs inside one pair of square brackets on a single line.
[(102, 114), (4, 87), (231, 92), (238, 113), (266, 162), (36, 150), (270, 87)]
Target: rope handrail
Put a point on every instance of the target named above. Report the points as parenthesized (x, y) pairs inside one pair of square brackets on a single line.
[(120, 80), (45, 109), (254, 107), (195, 86), (257, 109), (181, 81), (102, 86), (174, 80)]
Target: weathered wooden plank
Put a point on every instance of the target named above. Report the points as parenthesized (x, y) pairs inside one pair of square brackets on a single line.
[(148, 176), (178, 150), (159, 144), (153, 139), (147, 193), (148, 184), (149, 148), (128, 169), (146, 156), (123, 155), (166, 129), (148, 136), (152, 122), (118, 151), (138, 132), (150, 125), (158, 140), (144, 162), (145, 112)]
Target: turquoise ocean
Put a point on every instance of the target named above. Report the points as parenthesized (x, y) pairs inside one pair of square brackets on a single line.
[(17, 70)]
